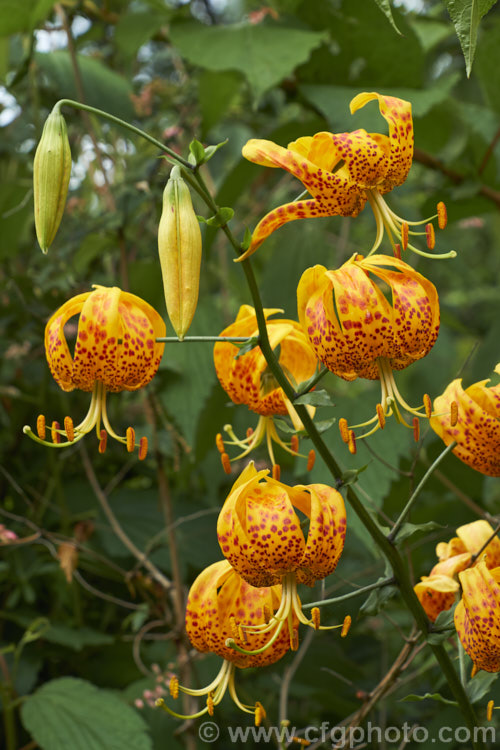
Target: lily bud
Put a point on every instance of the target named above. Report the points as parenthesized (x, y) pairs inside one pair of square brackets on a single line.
[(179, 246), (51, 172)]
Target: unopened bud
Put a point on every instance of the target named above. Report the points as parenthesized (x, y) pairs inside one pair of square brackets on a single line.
[(51, 172), (179, 246)]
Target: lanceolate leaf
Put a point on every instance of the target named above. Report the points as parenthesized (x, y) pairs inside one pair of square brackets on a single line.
[(466, 15), (385, 7)]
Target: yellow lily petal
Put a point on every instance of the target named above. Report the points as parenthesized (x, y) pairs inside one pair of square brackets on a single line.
[(477, 616), (56, 348), (436, 593)]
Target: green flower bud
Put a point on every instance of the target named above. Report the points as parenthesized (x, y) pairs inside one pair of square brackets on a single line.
[(179, 246), (51, 172)]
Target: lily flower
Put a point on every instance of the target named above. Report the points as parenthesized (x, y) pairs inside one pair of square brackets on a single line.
[(476, 427), (342, 171), (477, 616), (356, 332), (246, 378), (217, 599), (115, 350), (261, 535)]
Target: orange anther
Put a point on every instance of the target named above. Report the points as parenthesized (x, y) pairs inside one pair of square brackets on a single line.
[(294, 640), (40, 427), (311, 459), (260, 713), (397, 250), (267, 612), (242, 635), (219, 442), (453, 413), (54, 434), (249, 432), (210, 704), (226, 463), (430, 235), (173, 686), (416, 429), (103, 441), (143, 448), (69, 429), (352, 442), (381, 416), (294, 444), (427, 405), (442, 215), (489, 710), (130, 439), (346, 626), (315, 617), (276, 472), (405, 230), (344, 429)]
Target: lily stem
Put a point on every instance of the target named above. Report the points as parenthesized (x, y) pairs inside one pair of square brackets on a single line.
[(363, 590)]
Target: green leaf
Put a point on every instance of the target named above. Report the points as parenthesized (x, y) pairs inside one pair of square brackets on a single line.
[(386, 9), (68, 712), (221, 218), (198, 151), (264, 54), (408, 529), (477, 688), (246, 346), (443, 628), (378, 597), (135, 29), (315, 398), (351, 475), (216, 92), (466, 15), (211, 150), (76, 638), (429, 696), (21, 17)]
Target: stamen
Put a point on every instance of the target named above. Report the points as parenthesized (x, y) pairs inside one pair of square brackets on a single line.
[(210, 704), (344, 429), (381, 416), (294, 443), (226, 463), (219, 442), (233, 627), (352, 442), (41, 427), (346, 626), (311, 459), (260, 713), (294, 640), (430, 235), (489, 710), (427, 405), (249, 432), (404, 234), (54, 434), (173, 686), (315, 617), (453, 413), (130, 439), (242, 634), (416, 429), (143, 448), (276, 472), (397, 250), (267, 613), (103, 441), (442, 215), (69, 429)]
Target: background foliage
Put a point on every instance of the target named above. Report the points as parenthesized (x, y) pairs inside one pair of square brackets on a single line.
[(76, 650)]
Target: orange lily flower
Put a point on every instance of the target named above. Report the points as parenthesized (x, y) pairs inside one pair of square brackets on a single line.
[(342, 171), (260, 534), (115, 350), (217, 598), (248, 380), (477, 616), (363, 334), (476, 427)]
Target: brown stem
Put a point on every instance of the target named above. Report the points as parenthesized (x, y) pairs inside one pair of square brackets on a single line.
[(489, 152)]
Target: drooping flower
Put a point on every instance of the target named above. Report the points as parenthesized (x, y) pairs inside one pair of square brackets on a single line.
[(248, 380), (115, 350), (476, 427), (342, 171), (477, 616), (260, 534), (356, 332), (219, 606)]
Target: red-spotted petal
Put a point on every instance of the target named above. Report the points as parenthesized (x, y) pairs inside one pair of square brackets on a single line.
[(477, 616), (436, 593), (56, 348)]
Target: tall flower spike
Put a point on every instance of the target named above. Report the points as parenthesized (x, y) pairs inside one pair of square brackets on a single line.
[(356, 332), (477, 616), (260, 534), (219, 605), (248, 380), (115, 350), (476, 425), (342, 171)]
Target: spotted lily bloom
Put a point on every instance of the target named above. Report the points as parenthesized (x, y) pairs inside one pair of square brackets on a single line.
[(219, 598), (248, 380), (438, 591), (342, 171), (115, 350), (260, 534), (356, 332), (477, 616), (476, 426)]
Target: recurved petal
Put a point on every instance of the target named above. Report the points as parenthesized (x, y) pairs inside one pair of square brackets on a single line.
[(477, 616), (475, 535), (320, 149), (202, 620), (397, 113), (452, 565), (436, 593), (366, 159), (56, 348)]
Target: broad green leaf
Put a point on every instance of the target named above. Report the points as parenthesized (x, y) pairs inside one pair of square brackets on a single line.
[(135, 29), (76, 638), (487, 69), (216, 92), (18, 17), (466, 15), (429, 696), (477, 688), (408, 529), (385, 7), (73, 713), (264, 54), (315, 398)]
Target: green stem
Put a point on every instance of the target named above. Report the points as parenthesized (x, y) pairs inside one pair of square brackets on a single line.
[(404, 513), (377, 585), (309, 385), (128, 126)]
